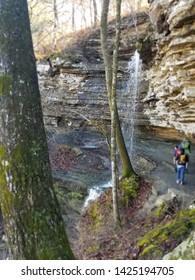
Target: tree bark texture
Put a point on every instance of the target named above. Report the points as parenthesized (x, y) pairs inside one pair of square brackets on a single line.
[(32, 219), (113, 116)]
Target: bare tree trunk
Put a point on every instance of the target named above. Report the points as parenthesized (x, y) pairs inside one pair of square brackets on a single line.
[(113, 116), (95, 13), (32, 218), (73, 16), (55, 27), (127, 167)]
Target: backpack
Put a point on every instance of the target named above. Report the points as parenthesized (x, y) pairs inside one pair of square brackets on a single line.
[(176, 153), (186, 144), (182, 159)]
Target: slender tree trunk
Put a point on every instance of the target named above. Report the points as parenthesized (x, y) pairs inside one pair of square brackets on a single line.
[(113, 116), (55, 26), (73, 16), (32, 219), (127, 167), (95, 13)]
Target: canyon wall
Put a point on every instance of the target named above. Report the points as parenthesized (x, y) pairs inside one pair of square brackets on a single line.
[(170, 100), (74, 92)]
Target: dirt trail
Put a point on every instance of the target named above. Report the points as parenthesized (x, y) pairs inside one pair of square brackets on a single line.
[(164, 175)]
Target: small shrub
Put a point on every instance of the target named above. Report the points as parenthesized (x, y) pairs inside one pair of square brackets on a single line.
[(128, 188)]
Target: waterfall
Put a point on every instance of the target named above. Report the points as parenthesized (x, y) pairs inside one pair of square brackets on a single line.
[(95, 192), (129, 102)]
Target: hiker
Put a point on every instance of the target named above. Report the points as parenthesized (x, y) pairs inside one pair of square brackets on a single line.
[(181, 161), (186, 145), (175, 154)]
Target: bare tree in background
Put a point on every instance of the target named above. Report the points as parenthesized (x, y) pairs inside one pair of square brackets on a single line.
[(114, 116), (55, 25), (51, 20), (127, 167), (95, 13)]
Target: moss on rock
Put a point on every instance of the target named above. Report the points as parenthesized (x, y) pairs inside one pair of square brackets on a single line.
[(174, 231), (5, 84)]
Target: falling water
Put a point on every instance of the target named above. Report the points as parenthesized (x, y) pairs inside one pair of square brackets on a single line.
[(128, 105), (130, 101), (95, 191)]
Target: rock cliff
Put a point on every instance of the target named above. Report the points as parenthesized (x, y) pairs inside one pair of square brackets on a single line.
[(74, 93), (170, 100)]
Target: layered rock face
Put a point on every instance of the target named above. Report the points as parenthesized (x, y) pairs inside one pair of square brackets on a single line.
[(74, 92), (170, 101)]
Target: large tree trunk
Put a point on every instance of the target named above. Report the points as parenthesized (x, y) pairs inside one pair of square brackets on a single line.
[(32, 218), (127, 167)]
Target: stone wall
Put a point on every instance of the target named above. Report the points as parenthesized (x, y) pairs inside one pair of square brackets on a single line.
[(170, 101)]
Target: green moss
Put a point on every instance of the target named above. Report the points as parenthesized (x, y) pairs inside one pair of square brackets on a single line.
[(45, 254), (3, 153), (75, 196), (97, 214), (16, 196), (94, 210), (143, 241), (5, 84), (161, 210), (179, 229), (92, 249), (157, 253), (149, 249), (128, 187), (108, 203), (6, 197), (139, 45)]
